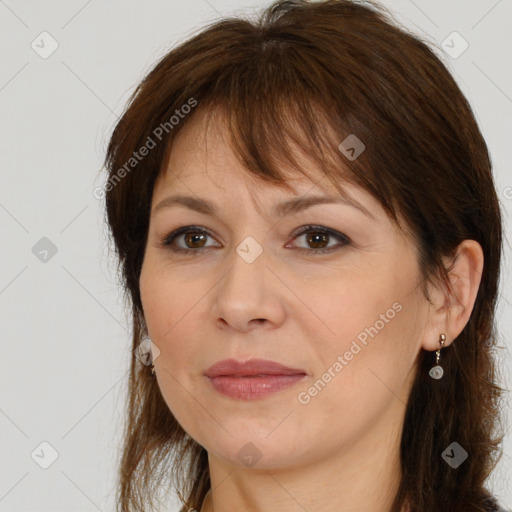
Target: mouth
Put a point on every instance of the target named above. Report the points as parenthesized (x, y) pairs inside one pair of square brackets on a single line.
[(253, 379)]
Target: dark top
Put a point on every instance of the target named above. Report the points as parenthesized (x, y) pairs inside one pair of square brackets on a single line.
[(494, 506)]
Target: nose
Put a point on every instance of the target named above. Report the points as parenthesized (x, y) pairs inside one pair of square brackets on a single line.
[(249, 295)]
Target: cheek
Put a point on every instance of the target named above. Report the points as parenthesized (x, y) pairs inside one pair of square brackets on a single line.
[(354, 308), (170, 310), (165, 300), (176, 310), (369, 343), (359, 382)]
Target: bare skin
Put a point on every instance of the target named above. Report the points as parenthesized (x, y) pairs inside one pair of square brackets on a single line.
[(337, 451)]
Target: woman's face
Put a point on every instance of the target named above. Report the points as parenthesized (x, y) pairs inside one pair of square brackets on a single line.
[(351, 321)]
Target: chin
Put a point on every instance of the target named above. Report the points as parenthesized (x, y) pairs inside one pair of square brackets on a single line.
[(260, 451)]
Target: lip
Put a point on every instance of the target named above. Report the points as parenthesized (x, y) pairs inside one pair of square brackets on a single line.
[(252, 379), (234, 368)]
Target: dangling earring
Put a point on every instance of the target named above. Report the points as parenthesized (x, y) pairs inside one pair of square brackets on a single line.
[(437, 372)]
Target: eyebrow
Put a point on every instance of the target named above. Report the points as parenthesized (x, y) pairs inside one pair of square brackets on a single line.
[(288, 207)]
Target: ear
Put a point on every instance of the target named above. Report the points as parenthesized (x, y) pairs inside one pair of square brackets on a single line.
[(451, 307)]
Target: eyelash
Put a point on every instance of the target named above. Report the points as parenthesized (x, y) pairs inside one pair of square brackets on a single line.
[(168, 239)]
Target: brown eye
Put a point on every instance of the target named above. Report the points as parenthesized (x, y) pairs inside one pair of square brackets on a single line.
[(317, 239), (193, 237)]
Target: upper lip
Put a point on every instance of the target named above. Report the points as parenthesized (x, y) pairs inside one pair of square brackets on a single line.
[(234, 368)]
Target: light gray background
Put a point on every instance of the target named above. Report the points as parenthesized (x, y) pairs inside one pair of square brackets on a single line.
[(65, 341)]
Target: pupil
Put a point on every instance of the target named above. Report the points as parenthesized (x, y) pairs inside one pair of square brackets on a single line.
[(191, 238), (317, 238)]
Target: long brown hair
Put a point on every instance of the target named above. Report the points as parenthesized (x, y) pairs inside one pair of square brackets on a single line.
[(300, 73)]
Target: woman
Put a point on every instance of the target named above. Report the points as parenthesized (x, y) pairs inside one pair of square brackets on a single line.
[(309, 235)]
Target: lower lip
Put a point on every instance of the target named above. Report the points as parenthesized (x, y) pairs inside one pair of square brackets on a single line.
[(252, 388)]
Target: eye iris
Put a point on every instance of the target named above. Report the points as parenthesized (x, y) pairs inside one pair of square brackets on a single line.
[(191, 238), (316, 238)]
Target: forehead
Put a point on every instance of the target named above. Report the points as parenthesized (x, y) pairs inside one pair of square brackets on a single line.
[(203, 168), (202, 152)]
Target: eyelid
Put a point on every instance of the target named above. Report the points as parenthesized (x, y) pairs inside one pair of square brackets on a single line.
[(344, 240), (172, 235), (322, 229)]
